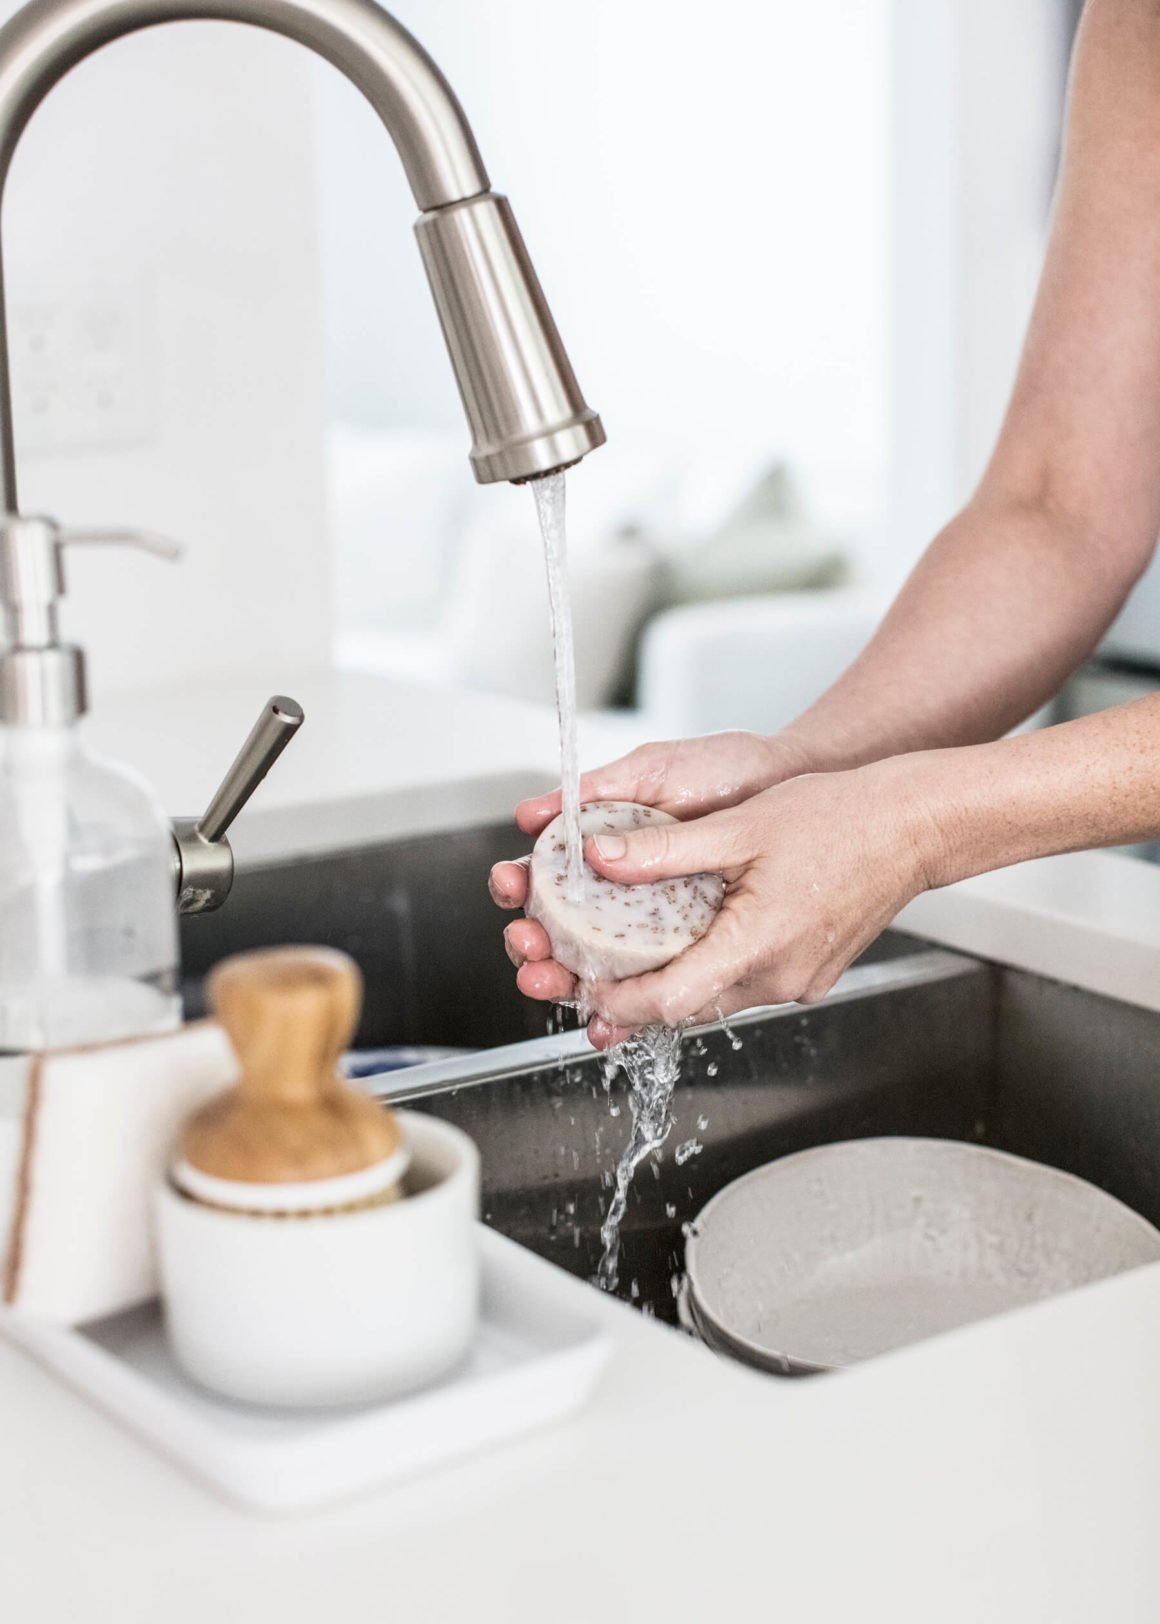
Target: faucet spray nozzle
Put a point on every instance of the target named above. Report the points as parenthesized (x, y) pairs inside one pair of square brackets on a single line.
[(527, 415)]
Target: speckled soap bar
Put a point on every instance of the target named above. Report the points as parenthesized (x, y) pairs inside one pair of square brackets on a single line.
[(616, 931)]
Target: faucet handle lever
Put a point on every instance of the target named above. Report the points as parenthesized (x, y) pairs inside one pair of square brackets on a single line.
[(203, 860), (147, 541), (271, 733)]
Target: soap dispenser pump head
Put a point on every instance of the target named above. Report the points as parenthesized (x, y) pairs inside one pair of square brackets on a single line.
[(42, 680)]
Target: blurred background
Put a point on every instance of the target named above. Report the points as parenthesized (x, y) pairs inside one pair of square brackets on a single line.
[(792, 254)]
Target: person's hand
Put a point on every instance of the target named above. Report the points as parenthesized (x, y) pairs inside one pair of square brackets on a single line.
[(815, 868), (684, 777)]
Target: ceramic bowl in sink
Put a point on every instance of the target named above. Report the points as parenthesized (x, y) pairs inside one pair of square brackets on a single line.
[(838, 1253)]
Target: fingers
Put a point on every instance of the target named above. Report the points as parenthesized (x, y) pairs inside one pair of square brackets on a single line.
[(537, 973), (534, 815), (526, 942), (508, 883), (545, 979), (685, 777), (732, 1001), (602, 1035), (639, 776), (663, 851)]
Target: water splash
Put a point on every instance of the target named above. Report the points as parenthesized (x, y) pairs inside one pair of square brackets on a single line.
[(651, 1060), (550, 511)]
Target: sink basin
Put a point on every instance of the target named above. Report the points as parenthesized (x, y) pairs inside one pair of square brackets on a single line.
[(416, 917), (901, 1046), (913, 1041), (929, 1043)]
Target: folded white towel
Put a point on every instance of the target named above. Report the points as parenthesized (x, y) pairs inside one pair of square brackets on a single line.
[(95, 1135)]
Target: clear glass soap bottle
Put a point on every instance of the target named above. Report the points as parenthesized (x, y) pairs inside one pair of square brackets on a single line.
[(88, 931)]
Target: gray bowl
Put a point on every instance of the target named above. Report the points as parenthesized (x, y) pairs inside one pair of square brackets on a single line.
[(839, 1253)]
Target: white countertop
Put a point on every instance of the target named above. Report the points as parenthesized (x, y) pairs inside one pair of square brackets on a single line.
[(1010, 1472)]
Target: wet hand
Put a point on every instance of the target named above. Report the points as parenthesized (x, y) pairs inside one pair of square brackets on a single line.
[(685, 777), (815, 869)]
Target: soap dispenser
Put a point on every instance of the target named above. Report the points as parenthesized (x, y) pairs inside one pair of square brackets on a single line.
[(88, 934)]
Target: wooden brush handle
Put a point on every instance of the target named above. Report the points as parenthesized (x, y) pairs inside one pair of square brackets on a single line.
[(289, 1013)]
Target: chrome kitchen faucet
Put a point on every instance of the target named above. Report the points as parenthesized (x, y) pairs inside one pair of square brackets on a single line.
[(523, 404)]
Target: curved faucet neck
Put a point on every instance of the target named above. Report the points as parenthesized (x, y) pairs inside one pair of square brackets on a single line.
[(523, 404), (40, 44)]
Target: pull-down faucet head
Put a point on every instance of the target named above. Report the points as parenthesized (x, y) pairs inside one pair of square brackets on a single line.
[(523, 404)]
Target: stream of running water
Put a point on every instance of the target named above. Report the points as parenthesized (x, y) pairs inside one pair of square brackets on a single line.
[(650, 1058)]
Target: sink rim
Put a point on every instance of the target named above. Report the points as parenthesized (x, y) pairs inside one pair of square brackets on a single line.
[(555, 1049)]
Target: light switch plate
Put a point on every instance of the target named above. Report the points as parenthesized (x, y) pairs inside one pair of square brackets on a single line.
[(83, 372)]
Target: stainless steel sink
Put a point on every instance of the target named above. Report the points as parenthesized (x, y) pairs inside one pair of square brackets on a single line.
[(928, 1043), (914, 1040), (416, 916), (901, 1046)]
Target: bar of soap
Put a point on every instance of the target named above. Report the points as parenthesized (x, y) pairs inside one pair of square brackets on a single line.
[(616, 931)]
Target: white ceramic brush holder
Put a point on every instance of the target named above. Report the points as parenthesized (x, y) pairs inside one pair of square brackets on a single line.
[(329, 1308)]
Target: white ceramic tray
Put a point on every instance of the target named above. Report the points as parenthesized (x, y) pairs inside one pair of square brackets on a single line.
[(536, 1356)]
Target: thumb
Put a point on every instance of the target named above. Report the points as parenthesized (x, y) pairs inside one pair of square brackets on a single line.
[(663, 851)]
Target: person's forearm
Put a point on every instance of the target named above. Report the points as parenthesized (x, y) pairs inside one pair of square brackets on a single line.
[(1094, 782), (1021, 586), (1007, 601)]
